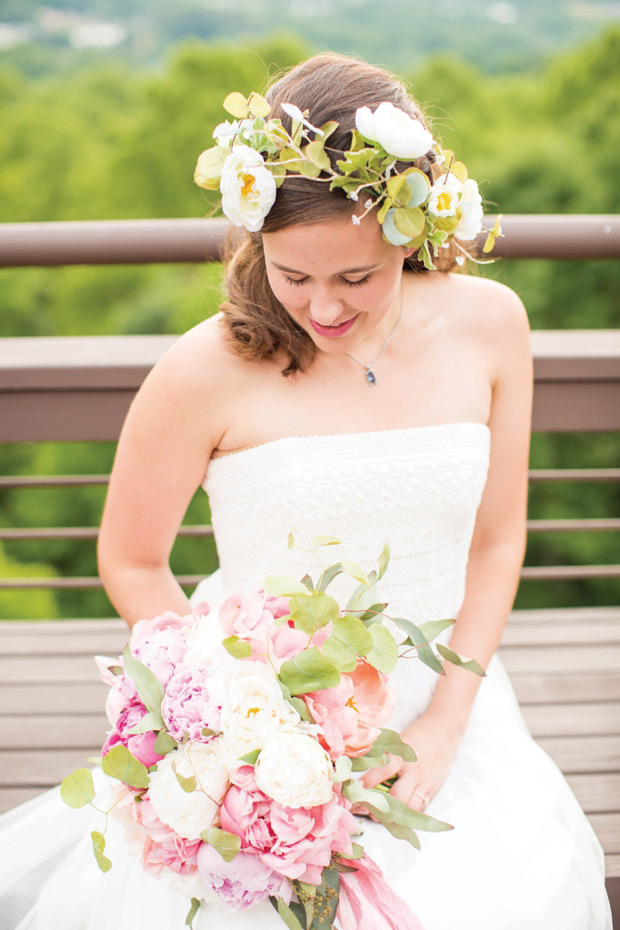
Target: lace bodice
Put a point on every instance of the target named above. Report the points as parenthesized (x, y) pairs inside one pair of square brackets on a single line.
[(417, 488)]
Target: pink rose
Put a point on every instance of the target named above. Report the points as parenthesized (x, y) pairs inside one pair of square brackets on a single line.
[(193, 700), (241, 883), (160, 644), (296, 843), (140, 745)]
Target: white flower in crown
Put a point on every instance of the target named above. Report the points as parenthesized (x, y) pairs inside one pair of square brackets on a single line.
[(224, 132), (472, 211), (248, 188), (445, 196), (450, 196), (394, 130)]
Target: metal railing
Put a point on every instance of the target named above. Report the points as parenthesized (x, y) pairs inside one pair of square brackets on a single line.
[(79, 389)]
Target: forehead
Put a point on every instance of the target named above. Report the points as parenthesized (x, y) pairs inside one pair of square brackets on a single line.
[(334, 244)]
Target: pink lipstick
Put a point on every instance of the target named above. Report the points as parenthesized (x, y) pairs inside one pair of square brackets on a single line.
[(331, 332)]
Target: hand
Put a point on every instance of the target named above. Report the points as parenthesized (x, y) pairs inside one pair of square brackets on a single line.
[(435, 746)]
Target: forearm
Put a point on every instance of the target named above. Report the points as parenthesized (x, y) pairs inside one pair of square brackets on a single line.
[(492, 581), (143, 592)]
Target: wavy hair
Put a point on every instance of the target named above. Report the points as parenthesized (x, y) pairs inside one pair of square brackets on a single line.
[(330, 87)]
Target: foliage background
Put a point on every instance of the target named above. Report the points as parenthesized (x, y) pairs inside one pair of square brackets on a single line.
[(114, 133)]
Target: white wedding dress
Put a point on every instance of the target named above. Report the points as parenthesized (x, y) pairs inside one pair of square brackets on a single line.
[(522, 855)]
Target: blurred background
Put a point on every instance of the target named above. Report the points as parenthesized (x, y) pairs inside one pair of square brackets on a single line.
[(104, 107)]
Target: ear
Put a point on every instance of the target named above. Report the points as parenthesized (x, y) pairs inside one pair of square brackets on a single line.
[(409, 252)]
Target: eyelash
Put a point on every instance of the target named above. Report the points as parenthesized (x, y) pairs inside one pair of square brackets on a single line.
[(300, 281)]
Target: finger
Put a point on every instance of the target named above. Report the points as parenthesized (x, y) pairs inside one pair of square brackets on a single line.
[(374, 777)]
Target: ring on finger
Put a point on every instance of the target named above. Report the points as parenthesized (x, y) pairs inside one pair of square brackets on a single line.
[(421, 796)]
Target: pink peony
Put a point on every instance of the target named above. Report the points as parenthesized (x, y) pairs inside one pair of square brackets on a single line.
[(193, 700), (238, 884), (160, 644), (351, 714), (140, 745), (163, 848), (251, 618), (296, 843)]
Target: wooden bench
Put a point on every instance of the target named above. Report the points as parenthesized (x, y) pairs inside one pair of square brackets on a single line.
[(563, 665)]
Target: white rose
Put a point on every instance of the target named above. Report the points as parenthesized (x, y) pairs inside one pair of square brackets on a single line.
[(470, 223), (445, 196), (189, 813), (254, 710), (395, 130), (248, 188), (294, 770)]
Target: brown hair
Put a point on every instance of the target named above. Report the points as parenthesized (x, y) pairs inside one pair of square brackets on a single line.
[(330, 87)]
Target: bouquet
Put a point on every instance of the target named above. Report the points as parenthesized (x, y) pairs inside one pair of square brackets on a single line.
[(235, 743)]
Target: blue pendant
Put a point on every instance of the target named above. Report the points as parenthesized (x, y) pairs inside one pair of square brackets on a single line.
[(370, 376)]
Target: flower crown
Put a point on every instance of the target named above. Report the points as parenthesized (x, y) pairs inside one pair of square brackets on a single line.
[(254, 154)]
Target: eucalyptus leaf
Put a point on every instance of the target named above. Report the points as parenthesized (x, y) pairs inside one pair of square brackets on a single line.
[(355, 792), (384, 652), (164, 743), (236, 104), (149, 687), (326, 541), (365, 763), (384, 561), (307, 580), (390, 741), (308, 169), (119, 763), (420, 641), (284, 586), (250, 757), (470, 664), (99, 848), (77, 789), (193, 910), (373, 613), (287, 915), (225, 843), (355, 571), (313, 612), (188, 784), (309, 671), (237, 648), (328, 128), (358, 851), (150, 721), (410, 221), (329, 574), (315, 151), (402, 814), (325, 900), (302, 709), (403, 833), (432, 628), (257, 105), (340, 654), (354, 633)]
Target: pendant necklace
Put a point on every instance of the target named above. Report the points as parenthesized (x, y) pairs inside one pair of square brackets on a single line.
[(369, 374)]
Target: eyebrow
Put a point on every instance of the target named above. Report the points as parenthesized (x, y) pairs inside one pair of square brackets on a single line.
[(348, 271)]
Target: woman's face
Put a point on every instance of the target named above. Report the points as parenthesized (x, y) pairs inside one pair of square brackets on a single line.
[(339, 281)]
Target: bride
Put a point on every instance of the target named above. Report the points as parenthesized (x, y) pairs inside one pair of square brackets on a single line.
[(348, 388)]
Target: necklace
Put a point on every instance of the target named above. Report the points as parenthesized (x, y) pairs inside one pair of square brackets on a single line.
[(369, 372)]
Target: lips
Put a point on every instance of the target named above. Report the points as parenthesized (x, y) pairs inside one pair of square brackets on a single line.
[(332, 332)]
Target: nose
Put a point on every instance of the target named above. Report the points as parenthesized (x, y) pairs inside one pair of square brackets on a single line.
[(325, 307)]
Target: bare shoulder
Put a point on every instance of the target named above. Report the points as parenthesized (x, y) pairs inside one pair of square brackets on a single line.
[(190, 386), (495, 311)]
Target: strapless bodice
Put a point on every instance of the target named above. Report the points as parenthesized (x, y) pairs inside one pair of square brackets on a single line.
[(417, 488)]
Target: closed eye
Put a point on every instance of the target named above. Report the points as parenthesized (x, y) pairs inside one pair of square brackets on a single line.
[(300, 281)]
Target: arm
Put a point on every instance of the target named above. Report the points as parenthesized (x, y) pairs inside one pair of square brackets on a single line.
[(495, 557), (164, 447)]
